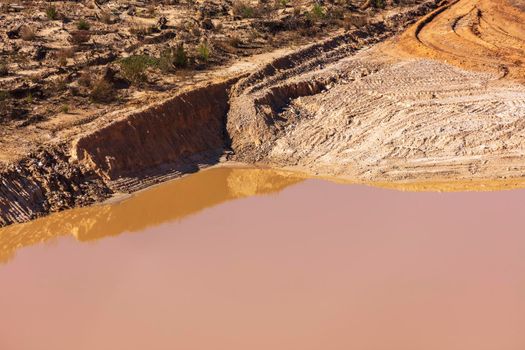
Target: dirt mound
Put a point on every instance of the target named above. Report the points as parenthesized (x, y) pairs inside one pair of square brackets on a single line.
[(485, 35)]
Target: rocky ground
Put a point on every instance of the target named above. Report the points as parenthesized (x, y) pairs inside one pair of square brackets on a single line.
[(68, 63), (389, 93)]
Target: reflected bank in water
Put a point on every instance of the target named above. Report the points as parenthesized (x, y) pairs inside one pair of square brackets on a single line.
[(318, 265), (167, 202), (179, 198)]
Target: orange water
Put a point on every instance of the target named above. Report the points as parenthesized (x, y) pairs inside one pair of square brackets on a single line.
[(210, 263)]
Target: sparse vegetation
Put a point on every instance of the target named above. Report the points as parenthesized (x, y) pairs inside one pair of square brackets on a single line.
[(60, 60), (83, 25), (80, 36), (318, 12), (204, 52), (103, 92), (52, 13), (4, 70), (64, 109), (243, 9), (27, 34), (181, 59), (134, 67)]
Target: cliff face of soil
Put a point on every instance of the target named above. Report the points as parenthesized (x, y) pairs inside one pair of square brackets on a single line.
[(173, 137), (163, 135)]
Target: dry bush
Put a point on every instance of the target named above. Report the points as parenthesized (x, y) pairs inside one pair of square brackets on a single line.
[(4, 70), (63, 54), (80, 36), (103, 92), (234, 41), (85, 79), (358, 21), (244, 9), (105, 17), (167, 60), (27, 33), (139, 30)]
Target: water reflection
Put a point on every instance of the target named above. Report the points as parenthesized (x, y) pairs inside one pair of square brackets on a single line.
[(167, 202), (176, 199)]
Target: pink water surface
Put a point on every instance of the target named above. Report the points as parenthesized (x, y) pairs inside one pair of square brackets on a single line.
[(318, 266)]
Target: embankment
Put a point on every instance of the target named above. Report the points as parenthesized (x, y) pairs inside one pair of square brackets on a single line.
[(175, 136)]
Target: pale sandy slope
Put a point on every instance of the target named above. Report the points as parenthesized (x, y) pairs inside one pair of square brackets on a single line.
[(386, 114)]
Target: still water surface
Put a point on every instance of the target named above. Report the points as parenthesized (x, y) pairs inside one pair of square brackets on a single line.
[(258, 259)]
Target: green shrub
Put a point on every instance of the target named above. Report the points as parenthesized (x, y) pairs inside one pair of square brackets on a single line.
[(318, 12), (134, 67), (52, 13), (381, 4), (282, 3), (83, 25), (64, 109), (181, 59), (204, 52)]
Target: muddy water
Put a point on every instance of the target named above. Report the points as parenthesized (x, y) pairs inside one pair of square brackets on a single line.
[(258, 259)]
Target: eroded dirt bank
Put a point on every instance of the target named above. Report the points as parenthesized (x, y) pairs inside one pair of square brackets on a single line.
[(353, 106), (173, 137)]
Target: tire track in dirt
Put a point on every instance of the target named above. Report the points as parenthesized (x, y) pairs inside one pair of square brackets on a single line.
[(394, 116), (473, 34)]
